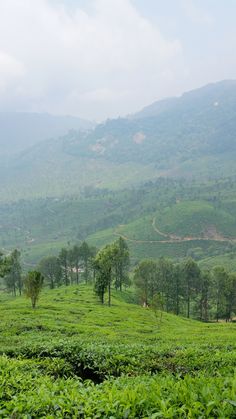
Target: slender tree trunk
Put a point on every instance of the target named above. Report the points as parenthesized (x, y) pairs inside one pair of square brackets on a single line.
[(146, 294), (66, 274), (188, 301), (120, 279), (177, 299), (217, 307), (33, 301), (71, 275), (20, 286), (109, 293), (77, 274), (86, 271), (52, 283)]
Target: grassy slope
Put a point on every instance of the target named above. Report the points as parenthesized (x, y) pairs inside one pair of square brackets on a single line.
[(41, 227), (145, 242), (70, 335), (227, 260), (194, 218), (60, 175)]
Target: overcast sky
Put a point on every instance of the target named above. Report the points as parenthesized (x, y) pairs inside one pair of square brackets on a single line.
[(105, 58)]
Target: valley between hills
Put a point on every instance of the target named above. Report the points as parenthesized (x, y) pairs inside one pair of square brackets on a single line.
[(118, 262)]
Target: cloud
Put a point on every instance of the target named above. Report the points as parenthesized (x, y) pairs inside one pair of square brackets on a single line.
[(196, 13), (96, 62), (11, 71)]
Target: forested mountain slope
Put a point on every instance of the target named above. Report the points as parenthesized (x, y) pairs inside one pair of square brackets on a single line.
[(191, 136)]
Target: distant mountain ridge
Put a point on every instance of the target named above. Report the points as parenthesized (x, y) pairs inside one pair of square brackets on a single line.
[(210, 94), (193, 136), (20, 130), (169, 133)]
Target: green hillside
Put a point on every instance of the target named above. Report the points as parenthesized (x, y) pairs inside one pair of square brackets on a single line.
[(188, 137), (197, 219), (72, 357), (228, 260), (162, 218), (154, 249), (47, 171)]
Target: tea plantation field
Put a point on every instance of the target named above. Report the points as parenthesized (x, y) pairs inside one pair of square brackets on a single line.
[(71, 357)]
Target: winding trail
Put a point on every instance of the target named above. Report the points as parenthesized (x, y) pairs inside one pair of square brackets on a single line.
[(172, 238)]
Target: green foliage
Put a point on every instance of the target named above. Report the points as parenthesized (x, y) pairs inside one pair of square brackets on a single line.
[(104, 265), (184, 288), (33, 284), (146, 279), (142, 397), (196, 219), (78, 358), (204, 214), (186, 139), (51, 270)]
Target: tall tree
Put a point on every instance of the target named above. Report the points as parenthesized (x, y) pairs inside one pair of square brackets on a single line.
[(71, 265), (121, 263), (177, 288), (76, 257), (220, 280), (51, 269), (191, 274), (104, 266), (145, 279), (5, 265), (230, 295), (166, 281), (13, 278), (204, 293), (33, 284), (86, 253), (64, 263)]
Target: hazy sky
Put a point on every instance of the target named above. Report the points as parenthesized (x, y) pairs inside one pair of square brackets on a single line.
[(104, 58)]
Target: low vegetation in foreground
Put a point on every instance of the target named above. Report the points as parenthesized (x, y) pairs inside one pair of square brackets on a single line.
[(73, 357)]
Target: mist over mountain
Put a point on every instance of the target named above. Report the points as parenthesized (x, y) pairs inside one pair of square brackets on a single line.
[(221, 94), (20, 130), (190, 136)]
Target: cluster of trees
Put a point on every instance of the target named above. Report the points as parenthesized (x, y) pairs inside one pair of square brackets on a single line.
[(111, 266), (53, 270), (67, 267), (181, 288), (184, 288), (10, 270)]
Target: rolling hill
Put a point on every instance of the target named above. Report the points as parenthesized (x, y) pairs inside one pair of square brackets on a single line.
[(164, 179), (164, 218), (73, 357), (190, 136)]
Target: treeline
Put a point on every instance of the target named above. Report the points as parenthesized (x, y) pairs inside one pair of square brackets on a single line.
[(106, 268), (69, 266), (180, 288), (64, 269), (183, 288)]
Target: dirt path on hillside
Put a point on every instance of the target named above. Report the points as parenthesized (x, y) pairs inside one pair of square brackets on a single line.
[(214, 236), (172, 238)]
